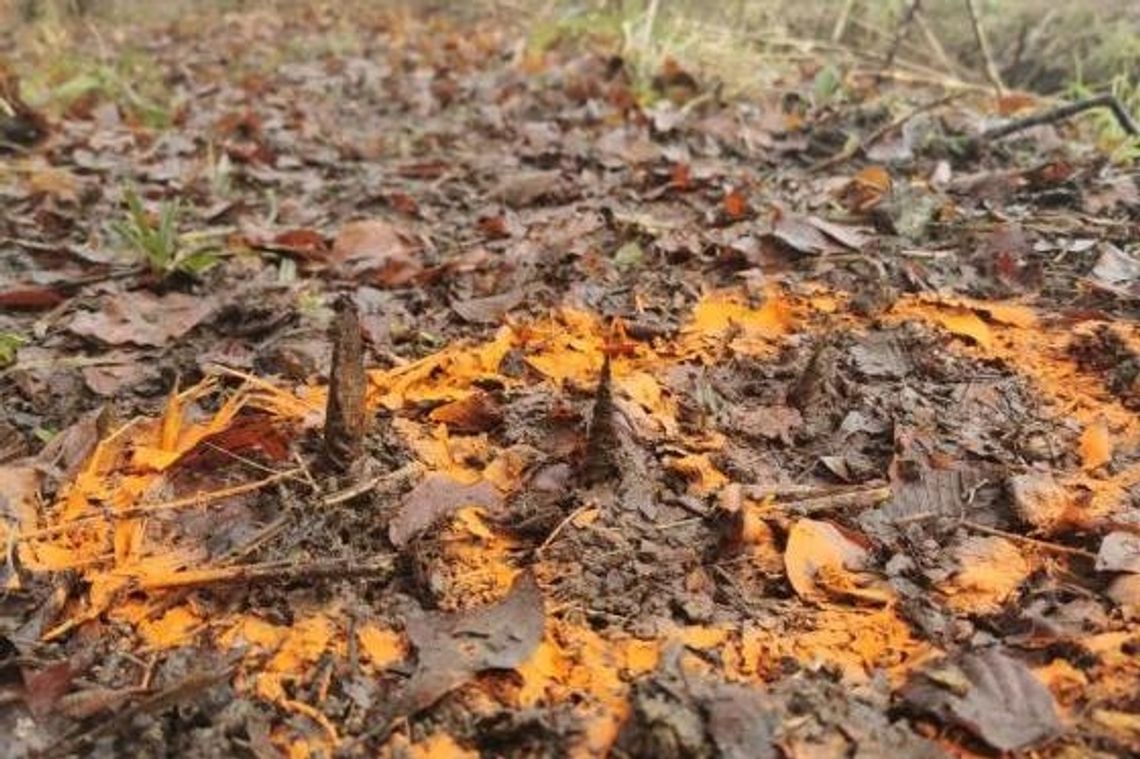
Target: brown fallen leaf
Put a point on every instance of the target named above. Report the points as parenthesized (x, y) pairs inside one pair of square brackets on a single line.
[(990, 570), (436, 496), (821, 560), (488, 310), (528, 188), (142, 318), (991, 695), (478, 412), (1039, 500), (451, 648), (378, 251)]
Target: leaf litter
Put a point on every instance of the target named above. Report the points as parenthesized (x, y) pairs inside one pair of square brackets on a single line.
[(631, 447)]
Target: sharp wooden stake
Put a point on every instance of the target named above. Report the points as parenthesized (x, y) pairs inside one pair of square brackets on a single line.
[(601, 446), (346, 416)]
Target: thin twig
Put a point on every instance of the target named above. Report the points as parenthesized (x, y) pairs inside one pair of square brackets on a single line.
[(198, 499), (561, 526), (841, 22), (935, 44), (900, 32), (984, 45), (1042, 544), (1061, 112), (384, 483), (283, 571), (863, 145)]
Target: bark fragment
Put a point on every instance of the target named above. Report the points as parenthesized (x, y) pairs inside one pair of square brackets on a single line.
[(346, 417)]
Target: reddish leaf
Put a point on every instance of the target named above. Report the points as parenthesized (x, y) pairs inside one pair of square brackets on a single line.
[(31, 298)]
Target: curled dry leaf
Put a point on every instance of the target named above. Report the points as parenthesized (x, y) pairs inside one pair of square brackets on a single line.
[(436, 496), (990, 694), (820, 560)]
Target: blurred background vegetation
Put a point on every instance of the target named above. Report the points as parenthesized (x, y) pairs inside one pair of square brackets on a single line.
[(1063, 49)]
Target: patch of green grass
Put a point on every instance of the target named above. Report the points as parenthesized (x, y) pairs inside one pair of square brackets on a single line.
[(130, 78), (10, 343), (156, 240)]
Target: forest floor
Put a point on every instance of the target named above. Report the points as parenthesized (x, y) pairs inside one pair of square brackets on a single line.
[(690, 429)]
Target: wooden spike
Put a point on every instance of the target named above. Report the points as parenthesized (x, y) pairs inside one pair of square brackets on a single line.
[(600, 463), (346, 417)]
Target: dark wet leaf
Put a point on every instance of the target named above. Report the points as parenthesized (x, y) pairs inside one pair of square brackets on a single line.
[(740, 722), (990, 694), (436, 496), (800, 234), (68, 451), (452, 648)]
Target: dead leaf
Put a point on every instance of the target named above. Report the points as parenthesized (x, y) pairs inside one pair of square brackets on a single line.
[(478, 412), (1116, 270), (378, 250), (991, 695), (815, 547), (990, 570), (1038, 499), (488, 310), (798, 233), (142, 318), (436, 496), (527, 188), (1119, 552), (19, 495), (451, 648)]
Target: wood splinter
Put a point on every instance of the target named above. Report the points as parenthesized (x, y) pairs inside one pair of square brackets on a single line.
[(346, 417)]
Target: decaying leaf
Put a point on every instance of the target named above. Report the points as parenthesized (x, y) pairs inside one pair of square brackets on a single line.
[(478, 412), (377, 250), (1119, 552), (1039, 500), (142, 318), (451, 648), (990, 570), (436, 496), (821, 560), (990, 694)]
